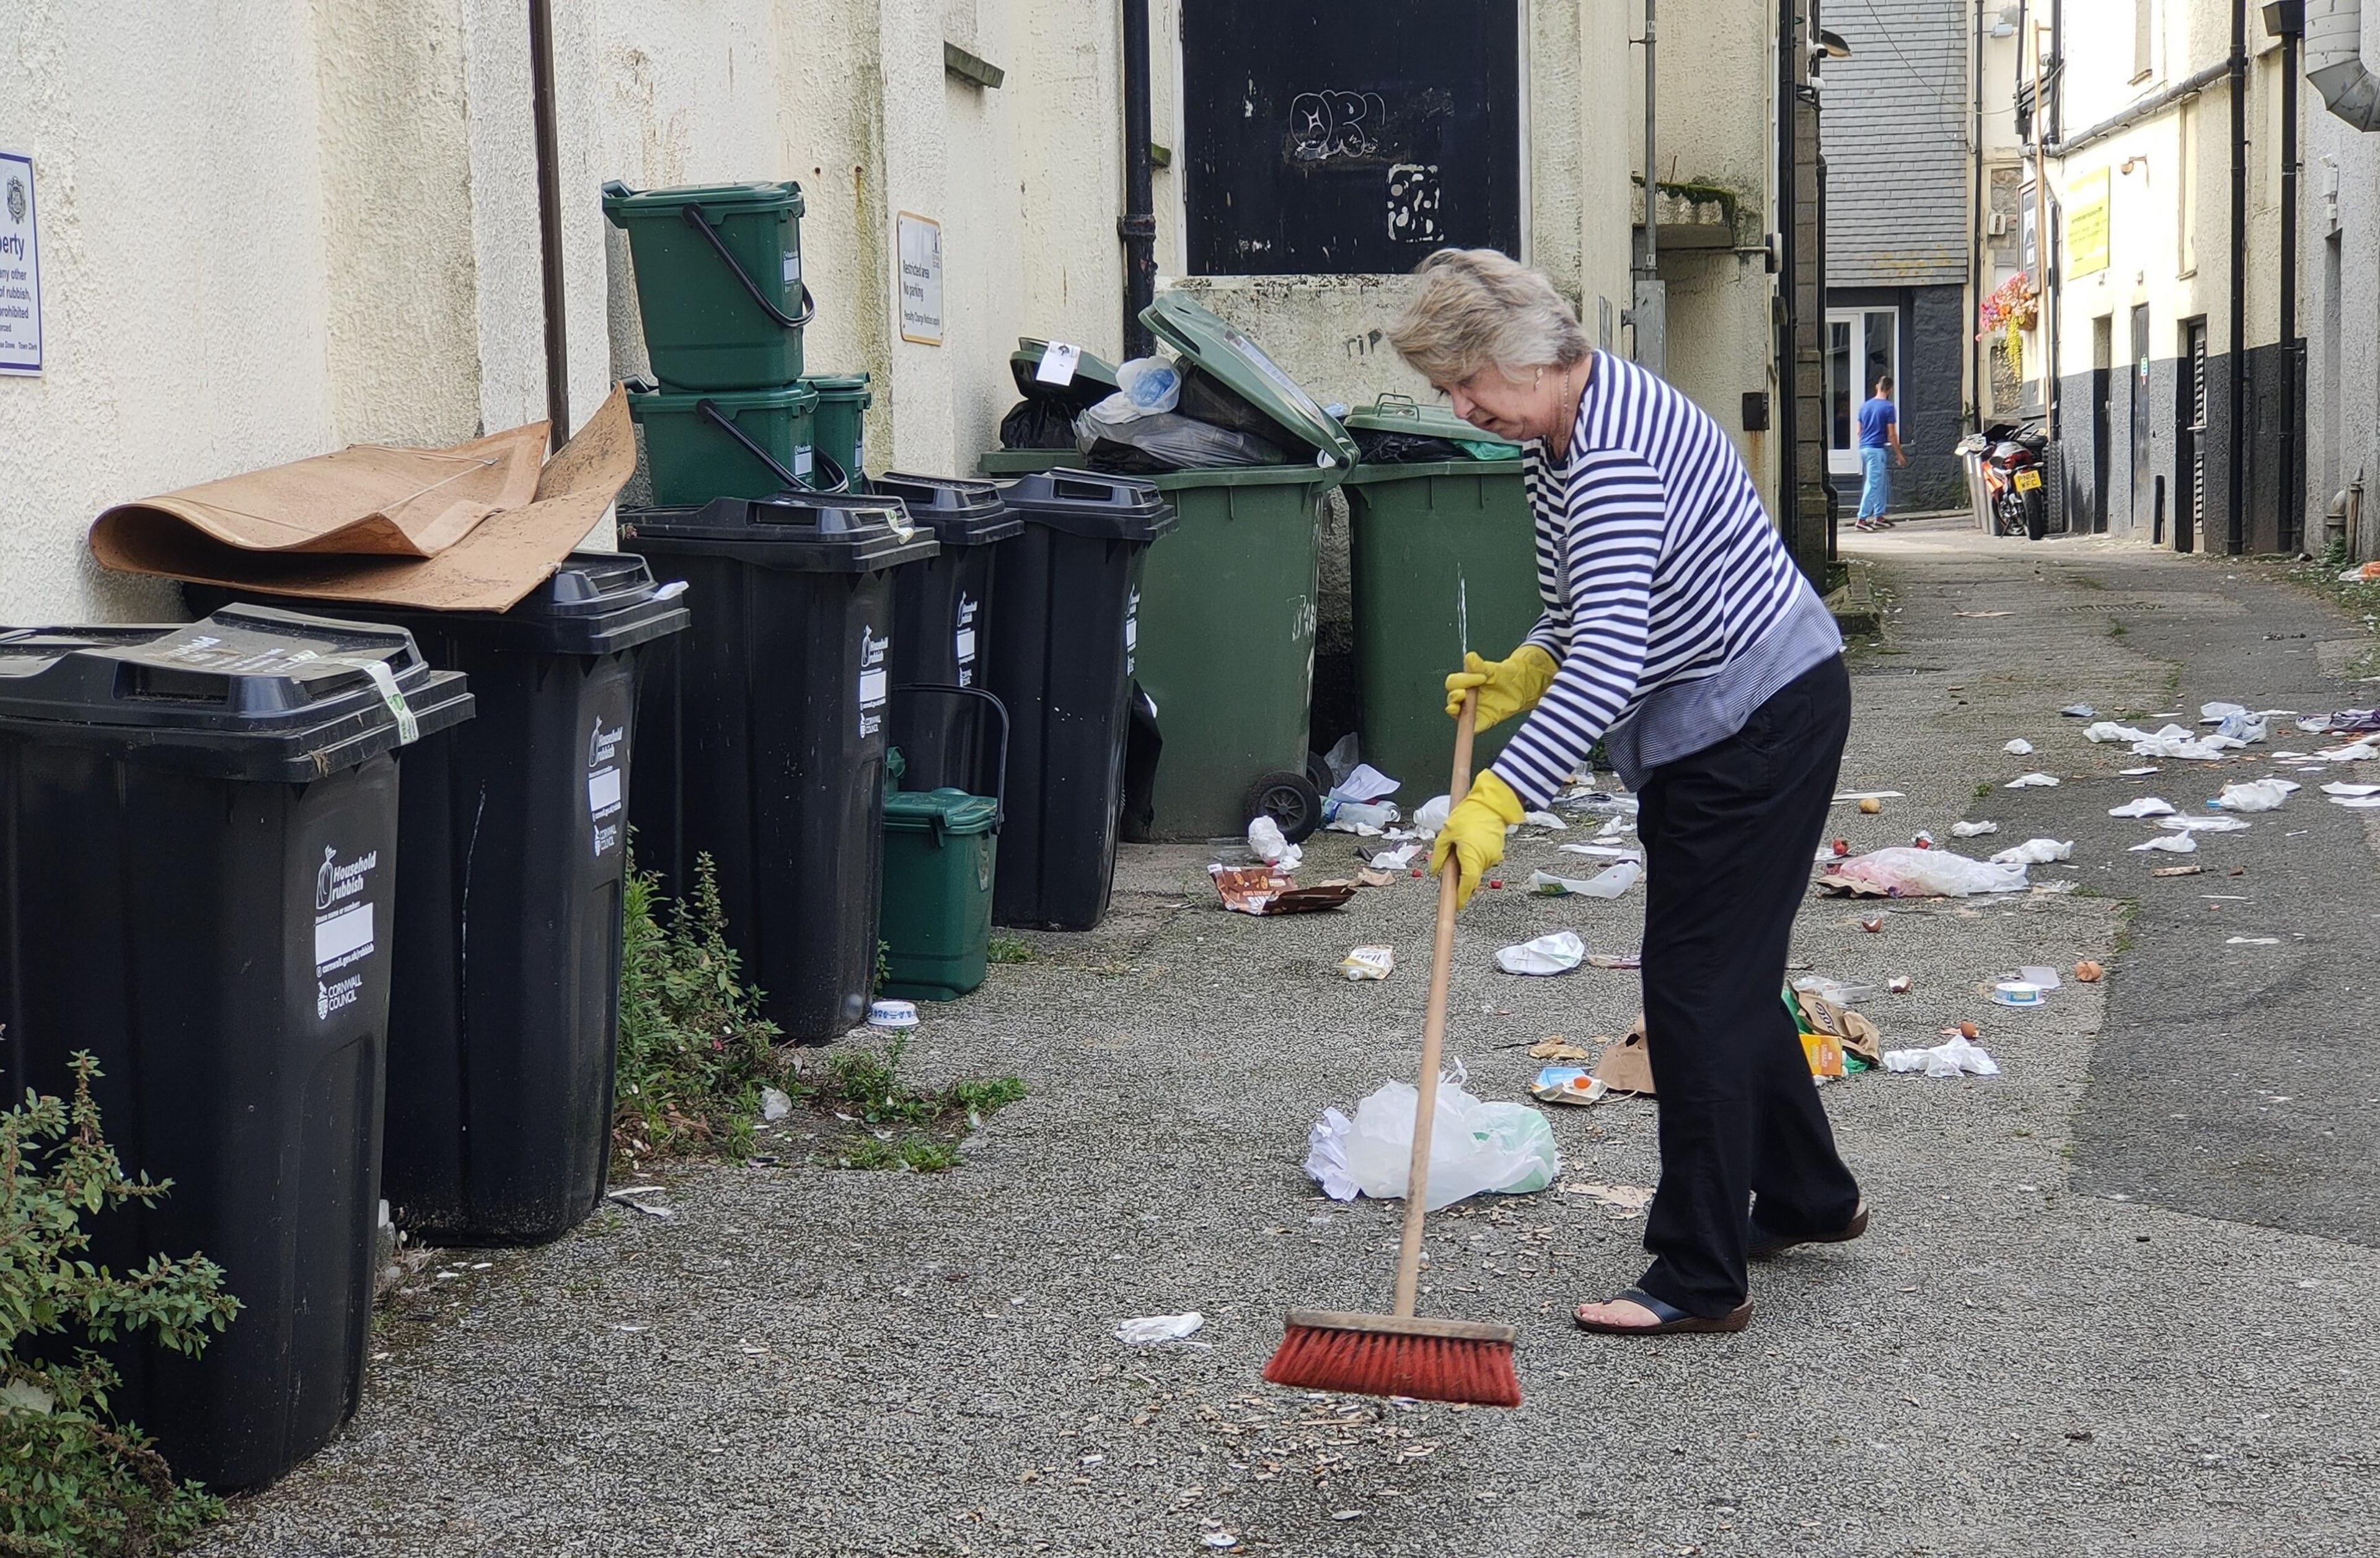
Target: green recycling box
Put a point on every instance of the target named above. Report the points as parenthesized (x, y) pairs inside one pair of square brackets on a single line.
[(1229, 601), (727, 444), (842, 403), (941, 852), (719, 281), (1442, 559)]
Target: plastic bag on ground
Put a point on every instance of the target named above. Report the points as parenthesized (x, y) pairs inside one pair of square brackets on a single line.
[(2255, 795), (2020, 747), (2169, 843), (2147, 806), (1265, 843), (2034, 852), (1953, 1057), (1476, 1147), (1918, 873), (2220, 823), (1556, 953), (1610, 883), (1974, 830), (2036, 781)]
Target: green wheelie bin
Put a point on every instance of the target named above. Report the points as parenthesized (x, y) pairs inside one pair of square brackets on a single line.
[(1442, 558), (1229, 601)]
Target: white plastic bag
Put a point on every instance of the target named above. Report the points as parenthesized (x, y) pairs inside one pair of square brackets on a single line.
[(1556, 953), (2030, 782), (2146, 806), (2255, 795), (1922, 873), (1951, 1057), (2170, 844), (2034, 852), (1475, 1147), (1974, 830), (2020, 747), (1265, 843), (1149, 384)]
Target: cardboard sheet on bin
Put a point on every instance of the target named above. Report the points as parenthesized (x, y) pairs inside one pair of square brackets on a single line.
[(473, 528)]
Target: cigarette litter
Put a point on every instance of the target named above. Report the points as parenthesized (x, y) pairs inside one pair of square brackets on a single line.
[(1369, 963)]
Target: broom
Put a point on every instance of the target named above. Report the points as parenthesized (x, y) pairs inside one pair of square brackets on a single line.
[(1405, 1354)]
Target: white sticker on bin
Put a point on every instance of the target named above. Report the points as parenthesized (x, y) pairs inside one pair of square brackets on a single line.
[(384, 681), (792, 270), (603, 792), (964, 644), (337, 935), (871, 688)]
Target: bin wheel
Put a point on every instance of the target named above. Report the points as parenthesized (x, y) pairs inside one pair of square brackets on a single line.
[(1317, 771), (1290, 799)]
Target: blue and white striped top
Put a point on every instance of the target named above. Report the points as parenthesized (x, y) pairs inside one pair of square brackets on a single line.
[(1673, 609)]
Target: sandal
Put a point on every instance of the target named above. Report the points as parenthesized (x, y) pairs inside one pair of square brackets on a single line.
[(1767, 1245), (1669, 1320)]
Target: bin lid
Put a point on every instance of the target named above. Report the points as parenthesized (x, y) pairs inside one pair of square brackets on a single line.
[(1087, 502), (646, 399), (248, 692), (839, 386), (1094, 380), (1242, 366), (620, 203), (945, 811), (1403, 413), (960, 510), (593, 603), (801, 532)]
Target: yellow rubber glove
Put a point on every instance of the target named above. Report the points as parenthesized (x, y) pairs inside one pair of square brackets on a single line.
[(1474, 835), (1507, 687)]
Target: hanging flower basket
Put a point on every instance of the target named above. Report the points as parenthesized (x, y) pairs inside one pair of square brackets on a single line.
[(2013, 308)]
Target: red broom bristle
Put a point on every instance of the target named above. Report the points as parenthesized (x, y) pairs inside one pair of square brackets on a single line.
[(1381, 1363)]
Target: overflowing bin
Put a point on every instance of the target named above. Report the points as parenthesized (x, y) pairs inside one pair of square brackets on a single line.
[(1442, 559), (1069, 587), (761, 738), (200, 848), (504, 1015), (1229, 605), (719, 281), (943, 623)]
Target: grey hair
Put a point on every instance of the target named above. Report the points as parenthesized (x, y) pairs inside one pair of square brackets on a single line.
[(1480, 308)]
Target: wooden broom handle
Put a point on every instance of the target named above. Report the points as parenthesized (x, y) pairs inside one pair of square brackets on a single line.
[(1433, 1030)]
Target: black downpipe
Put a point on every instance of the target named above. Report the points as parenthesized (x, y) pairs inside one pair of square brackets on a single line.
[(2235, 537), (1137, 226), (2052, 244), (2292, 536), (1976, 246), (1789, 357), (549, 219)]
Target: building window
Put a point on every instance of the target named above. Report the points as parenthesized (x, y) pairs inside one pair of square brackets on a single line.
[(1330, 137), (1863, 345), (2143, 39)]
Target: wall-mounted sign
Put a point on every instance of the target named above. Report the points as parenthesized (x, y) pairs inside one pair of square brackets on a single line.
[(21, 268), (2086, 226), (920, 251)]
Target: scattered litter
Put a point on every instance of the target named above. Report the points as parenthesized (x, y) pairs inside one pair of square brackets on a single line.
[(1396, 859), (2035, 852), (1974, 830), (1362, 819), (2171, 844), (1568, 1084), (2036, 781), (2147, 806), (2255, 795), (629, 1199), (775, 1105), (2016, 992), (2223, 822), (2362, 575), (1622, 852), (2020, 747), (1921, 840), (1615, 960), (1868, 794), (2178, 871), (1830, 1031), (1873, 924), (1553, 1046), (1986, 613), (1608, 884), (1543, 819), (1624, 1200), (1898, 984), (2140, 773), (2088, 972), (2346, 722), (1556, 953), (1870, 806), (2079, 712), (1903, 873), (892, 1013), (1149, 1330), (2352, 792), (1838, 993), (1432, 816), (2253, 941), (1953, 1057), (1263, 890), (1371, 878), (1841, 847), (1222, 1541), (2106, 731), (1326, 1155), (1476, 1147), (1625, 1065), (2356, 803), (1369, 963), (2040, 974), (1363, 783), (1265, 843)]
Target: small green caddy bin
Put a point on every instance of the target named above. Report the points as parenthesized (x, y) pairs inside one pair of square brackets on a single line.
[(728, 444), (842, 403), (719, 281), (941, 852), (1442, 558)]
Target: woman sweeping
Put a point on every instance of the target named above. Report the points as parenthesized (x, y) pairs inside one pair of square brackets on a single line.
[(1677, 631)]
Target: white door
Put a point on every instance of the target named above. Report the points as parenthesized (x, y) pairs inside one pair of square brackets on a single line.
[(1863, 345)]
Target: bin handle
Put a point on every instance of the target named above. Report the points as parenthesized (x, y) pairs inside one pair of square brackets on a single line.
[(1397, 403), (699, 220), (837, 478), (1000, 770)]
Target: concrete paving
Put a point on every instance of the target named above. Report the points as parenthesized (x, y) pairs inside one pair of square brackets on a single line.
[(2119, 1298)]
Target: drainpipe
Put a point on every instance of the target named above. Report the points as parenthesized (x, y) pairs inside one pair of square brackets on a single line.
[(2235, 538), (1137, 226), (549, 220), (1975, 235), (1789, 335), (1650, 312), (2333, 59), (2292, 343)]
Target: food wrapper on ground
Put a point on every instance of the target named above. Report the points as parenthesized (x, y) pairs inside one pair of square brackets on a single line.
[(1263, 890), (1568, 1084), (1626, 1066), (1852, 1034), (1368, 962), (1553, 1046), (1608, 882)]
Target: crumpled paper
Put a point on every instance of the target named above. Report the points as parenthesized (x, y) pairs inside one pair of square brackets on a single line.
[(1555, 954), (1954, 1056)]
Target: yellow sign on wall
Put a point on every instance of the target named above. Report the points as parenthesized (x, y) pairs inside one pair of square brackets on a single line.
[(2086, 226)]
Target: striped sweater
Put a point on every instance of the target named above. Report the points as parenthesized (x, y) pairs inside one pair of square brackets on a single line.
[(1673, 609)]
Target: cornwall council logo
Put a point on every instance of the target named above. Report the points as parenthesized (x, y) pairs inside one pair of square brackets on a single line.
[(15, 199)]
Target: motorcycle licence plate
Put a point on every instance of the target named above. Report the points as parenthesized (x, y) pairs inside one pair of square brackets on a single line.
[(2026, 481)]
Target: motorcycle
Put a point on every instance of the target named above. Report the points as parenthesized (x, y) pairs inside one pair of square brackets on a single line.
[(2015, 460)]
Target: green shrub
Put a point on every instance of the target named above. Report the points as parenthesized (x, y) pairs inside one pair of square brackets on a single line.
[(74, 1481), (694, 1049)]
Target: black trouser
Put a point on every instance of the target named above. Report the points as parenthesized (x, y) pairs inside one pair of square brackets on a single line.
[(1729, 834)]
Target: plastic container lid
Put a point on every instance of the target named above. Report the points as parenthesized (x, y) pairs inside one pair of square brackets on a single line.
[(248, 692), (945, 811), (1094, 380), (802, 532), (620, 202), (1086, 502), (1242, 366), (1402, 413), (961, 511), (841, 386), (646, 399)]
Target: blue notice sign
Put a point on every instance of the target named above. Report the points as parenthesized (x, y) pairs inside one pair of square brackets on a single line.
[(21, 268)]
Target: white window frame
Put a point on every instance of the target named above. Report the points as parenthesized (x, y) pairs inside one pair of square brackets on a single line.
[(1843, 459)]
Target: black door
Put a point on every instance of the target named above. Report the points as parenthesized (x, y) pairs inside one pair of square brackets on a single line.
[(2190, 448), (2103, 379), (2140, 417)]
